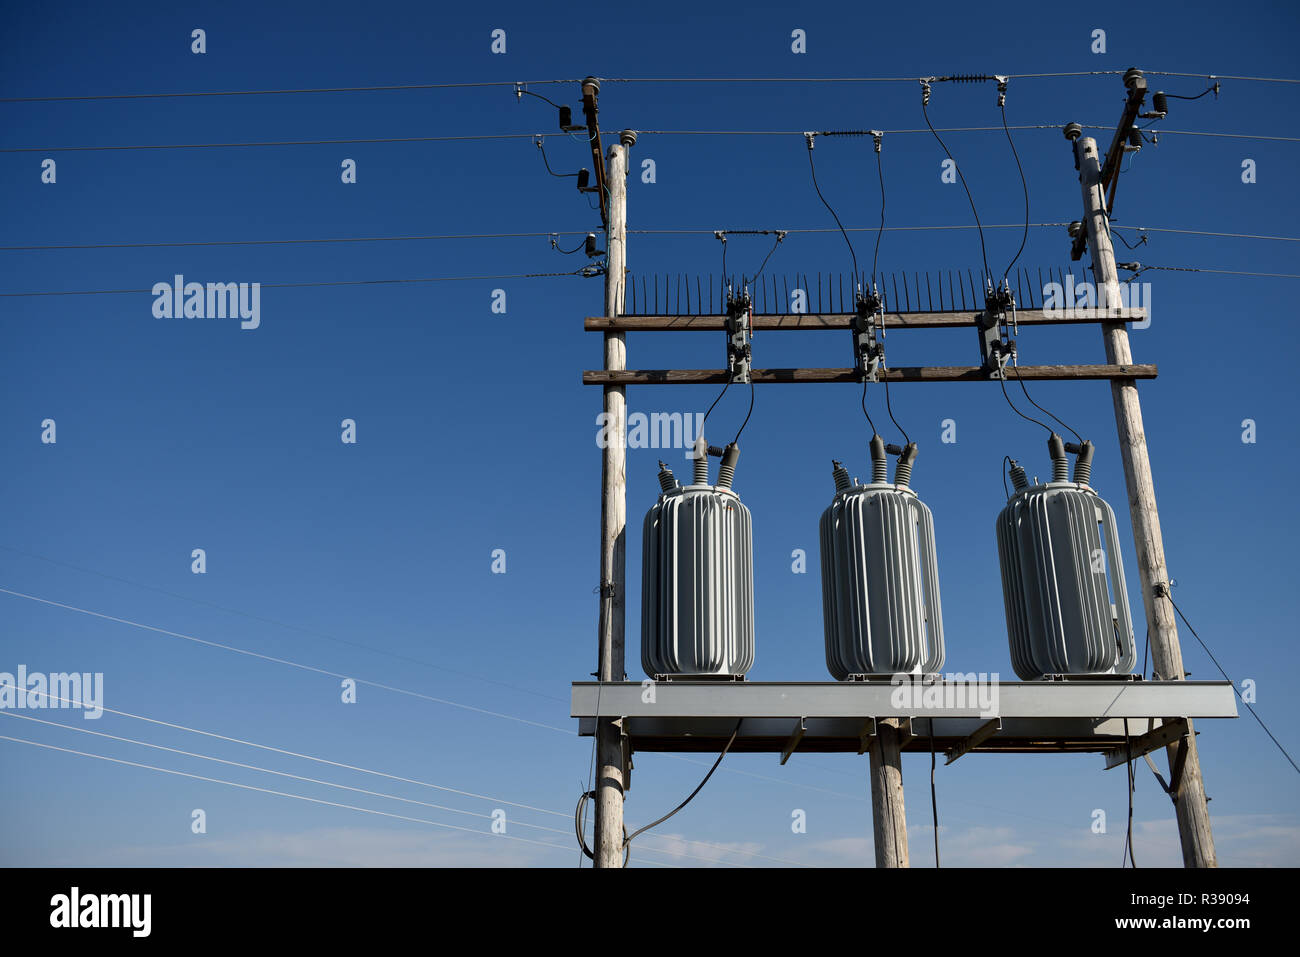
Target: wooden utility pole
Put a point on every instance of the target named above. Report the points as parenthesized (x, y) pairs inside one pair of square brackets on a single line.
[(888, 815), (1186, 784), (611, 772)]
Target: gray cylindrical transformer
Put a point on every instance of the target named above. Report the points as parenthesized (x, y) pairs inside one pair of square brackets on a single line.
[(880, 583), (697, 584), (1063, 583)]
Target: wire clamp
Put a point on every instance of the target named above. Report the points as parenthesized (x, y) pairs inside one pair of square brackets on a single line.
[(925, 90), (1002, 90)]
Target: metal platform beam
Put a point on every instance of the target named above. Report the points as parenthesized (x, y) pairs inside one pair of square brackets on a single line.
[(1085, 716)]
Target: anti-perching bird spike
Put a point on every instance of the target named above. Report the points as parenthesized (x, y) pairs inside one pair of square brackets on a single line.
[(880, 581), (697, 575), (1060, 557)]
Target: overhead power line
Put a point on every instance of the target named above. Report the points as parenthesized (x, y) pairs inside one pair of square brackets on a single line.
[(1230, 136), (969, 129), (1219, 76), (210, 146), (346, 787), (1141, 268), (1206, 232), (471, 794), (304, 242), (283, 624), (914, 79), (583, 232), (300, 797), (534, 136), (284, 661), (323, 89), (261, 770), (404, 87), (871, 229), (1285, 753), (307, 757), (302, 285), (459, 236), (363, 681)]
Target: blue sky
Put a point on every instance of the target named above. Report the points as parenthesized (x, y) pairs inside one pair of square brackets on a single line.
[(373, 560)]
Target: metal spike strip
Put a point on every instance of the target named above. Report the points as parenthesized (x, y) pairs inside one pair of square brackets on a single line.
[(952, 292)]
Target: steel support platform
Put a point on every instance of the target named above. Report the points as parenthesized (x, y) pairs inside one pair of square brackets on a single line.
[(1117, 718)]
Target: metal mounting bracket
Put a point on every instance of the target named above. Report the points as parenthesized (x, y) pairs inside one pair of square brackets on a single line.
[(1180, 762), (906, 733), (740, 327), (795, 737), (626, 743), (868, 733)]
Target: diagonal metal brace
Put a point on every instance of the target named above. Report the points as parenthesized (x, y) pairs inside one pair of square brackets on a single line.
[(1168, 733), (976, 738), (795, 737), (1175, 772)]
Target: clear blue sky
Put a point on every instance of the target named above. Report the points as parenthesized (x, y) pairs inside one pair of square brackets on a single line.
[(475, 433)]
